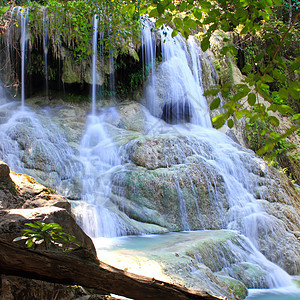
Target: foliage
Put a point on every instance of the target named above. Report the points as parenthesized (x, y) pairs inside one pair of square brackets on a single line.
[(272, 75), (3, 9), (70, 24), (50, 235), (254, 98)]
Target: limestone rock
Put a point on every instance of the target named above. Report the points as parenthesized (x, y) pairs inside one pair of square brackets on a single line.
[(29, 201), (4, 171)]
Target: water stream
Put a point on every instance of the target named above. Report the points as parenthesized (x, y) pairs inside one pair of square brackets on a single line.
[(23, 17), (175, 116), (94, 62), (45, 47)]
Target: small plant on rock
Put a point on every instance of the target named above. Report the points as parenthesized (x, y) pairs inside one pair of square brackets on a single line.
[(49, 235)]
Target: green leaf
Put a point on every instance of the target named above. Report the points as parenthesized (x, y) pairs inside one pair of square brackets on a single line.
[(212, 92), (205, 43), (259, 57), (264, 131), (283, 93), (159, 22), (38, 225), (220, 120), (197, 13), (178, 23), (46, 227), (268, 78), (71, 238), (182, 6), (160, 8), (296, 117), (142, 11), (244, 112), (230, 123), (247, 68), (296, 64), (131, 9), (251, 99), (174, 32), (29, 243), (190, 23), (274, 120), (153, 13), (268, 147), (273, 107), (215, 104), (294, 93), (283, 109), (30, 231)]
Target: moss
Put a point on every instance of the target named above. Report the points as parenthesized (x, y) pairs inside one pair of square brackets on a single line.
[(49, 191), (296, 280), (30, 179), (236, 287), (69, 76)]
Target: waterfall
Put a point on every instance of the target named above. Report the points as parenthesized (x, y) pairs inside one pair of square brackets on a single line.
[(94, 63), (112, 84), (149, 63), (45, 46), (135, 166), (23, 17), (100, 158), (178, 80), (182, 91)]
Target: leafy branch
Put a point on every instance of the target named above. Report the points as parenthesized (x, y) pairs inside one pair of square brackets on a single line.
[(50, 235)]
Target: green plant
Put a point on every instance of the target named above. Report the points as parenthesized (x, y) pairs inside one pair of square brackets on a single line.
[(51, 235)]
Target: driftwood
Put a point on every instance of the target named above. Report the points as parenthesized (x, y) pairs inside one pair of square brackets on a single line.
[(70, 268)]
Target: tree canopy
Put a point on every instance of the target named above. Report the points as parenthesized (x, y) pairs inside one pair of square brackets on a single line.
[(271, 83)]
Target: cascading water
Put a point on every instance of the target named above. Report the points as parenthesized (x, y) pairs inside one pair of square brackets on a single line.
[(31, 143), (23, 17), (183, 95), (99, 155), (112, 84), (94, 62), (149, 62), (171, 149), (45, 47), (180, 75)]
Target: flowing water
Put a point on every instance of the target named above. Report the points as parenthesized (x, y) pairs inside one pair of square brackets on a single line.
[(94, 62), (45, 47), (31, 143), (23, 17), (182, 83)]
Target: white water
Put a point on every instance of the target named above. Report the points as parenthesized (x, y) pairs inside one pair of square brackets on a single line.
[(94, 62), (112, 84), (99, 156), (181, 71), (45, 47), (149, 64), (291, 293), (181, 79), (31, 143), (23, 17)]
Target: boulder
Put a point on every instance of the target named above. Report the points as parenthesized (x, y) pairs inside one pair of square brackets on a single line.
[(26, 201), (4, 171)]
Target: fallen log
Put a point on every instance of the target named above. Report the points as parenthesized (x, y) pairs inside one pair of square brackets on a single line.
[(70, 268)]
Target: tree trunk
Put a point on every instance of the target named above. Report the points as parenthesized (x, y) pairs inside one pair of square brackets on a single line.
[(75, 268)]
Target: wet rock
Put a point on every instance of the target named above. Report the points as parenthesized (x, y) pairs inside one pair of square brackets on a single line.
[(4, 171), (176, 113), (29, 201)]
